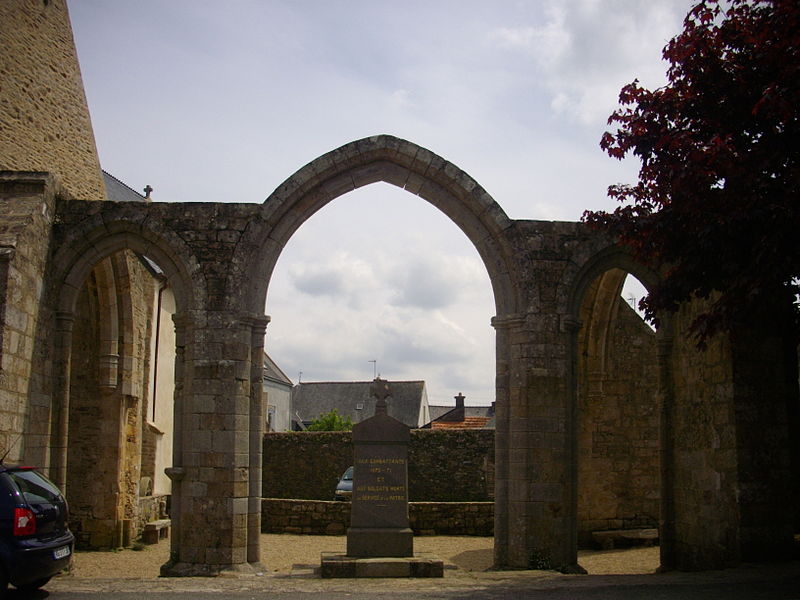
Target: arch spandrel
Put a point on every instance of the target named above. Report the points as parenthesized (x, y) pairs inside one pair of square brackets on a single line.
[(103, 234), (595, 256), (388, 159)]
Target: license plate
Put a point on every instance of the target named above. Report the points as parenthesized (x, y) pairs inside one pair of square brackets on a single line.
[(59, 553)]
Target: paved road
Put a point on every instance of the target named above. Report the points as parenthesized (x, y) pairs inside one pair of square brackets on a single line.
[(774, 582)]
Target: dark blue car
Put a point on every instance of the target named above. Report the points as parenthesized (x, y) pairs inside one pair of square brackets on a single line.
[(35, 540), (344, 489)]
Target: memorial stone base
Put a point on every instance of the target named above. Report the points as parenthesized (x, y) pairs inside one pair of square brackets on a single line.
[(374, 542), (419, 565)]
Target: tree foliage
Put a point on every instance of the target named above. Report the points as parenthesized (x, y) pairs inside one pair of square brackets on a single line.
[(331, 421), (716, 202)]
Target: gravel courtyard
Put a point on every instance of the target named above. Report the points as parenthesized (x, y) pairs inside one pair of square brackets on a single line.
[(285, 554)]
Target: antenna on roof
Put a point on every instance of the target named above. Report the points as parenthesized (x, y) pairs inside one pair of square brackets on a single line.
[(374, 368)]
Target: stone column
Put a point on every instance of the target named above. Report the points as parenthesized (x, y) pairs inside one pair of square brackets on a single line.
[(569, 550), (61, 367), (176, 472), (258, 328), (508, 514), (215, 448)]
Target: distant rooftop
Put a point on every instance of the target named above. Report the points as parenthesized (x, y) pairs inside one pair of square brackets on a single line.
[(408, 402)]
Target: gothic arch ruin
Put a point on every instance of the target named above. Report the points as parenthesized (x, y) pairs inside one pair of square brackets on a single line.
[(726, 458)]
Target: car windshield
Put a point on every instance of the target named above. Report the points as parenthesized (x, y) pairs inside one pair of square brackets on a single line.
[(348, 475), (35, 488)]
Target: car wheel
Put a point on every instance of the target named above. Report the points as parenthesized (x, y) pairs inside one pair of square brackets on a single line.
[(33, 585)]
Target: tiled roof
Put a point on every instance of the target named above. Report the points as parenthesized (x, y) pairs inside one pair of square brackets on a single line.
[(467, 423)]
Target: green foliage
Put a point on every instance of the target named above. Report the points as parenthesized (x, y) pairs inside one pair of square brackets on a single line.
[(717, 204), (331, 421)]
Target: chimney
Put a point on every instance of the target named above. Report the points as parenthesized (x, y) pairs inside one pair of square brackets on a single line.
[(458, 411)]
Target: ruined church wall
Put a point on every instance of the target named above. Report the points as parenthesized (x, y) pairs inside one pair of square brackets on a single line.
[(765, 380), (26, 209), (705, 479), (107, 394), (618, 444)]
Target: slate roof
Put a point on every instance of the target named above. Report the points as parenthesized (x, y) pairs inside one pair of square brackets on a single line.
[(116, 191), (273, 372), (408, 402)]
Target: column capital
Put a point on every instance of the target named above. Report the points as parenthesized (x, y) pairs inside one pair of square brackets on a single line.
[(254, 320), (509, 321)]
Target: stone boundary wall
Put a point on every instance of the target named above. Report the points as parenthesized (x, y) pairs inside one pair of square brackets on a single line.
[(443, 466), (321, 517)]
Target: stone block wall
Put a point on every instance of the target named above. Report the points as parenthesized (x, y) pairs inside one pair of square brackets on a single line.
[(26, 213), (705, 462), (444, 466), (316, 517), (43, 111), (618, 414), (764, 363)]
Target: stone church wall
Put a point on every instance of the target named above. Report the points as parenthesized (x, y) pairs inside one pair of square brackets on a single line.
[(45, 123), (25, 221), (618, 456)]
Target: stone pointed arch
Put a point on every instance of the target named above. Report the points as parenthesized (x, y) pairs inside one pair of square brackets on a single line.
[(94, 244), (591, 293), (91, 242), (403, 164)]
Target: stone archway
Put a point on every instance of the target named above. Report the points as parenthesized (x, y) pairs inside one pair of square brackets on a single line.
[(593, 307), (420, 172), (101, 290)]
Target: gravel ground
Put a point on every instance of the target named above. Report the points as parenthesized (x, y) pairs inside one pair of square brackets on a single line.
[(283, 554)]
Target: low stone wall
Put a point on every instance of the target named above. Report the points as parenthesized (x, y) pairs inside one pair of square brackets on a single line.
[(320, 517)]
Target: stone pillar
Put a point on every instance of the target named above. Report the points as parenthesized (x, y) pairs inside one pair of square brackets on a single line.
[(569, 549), (508, 514), (63, 354), (258, 327), (535, 495), (214, 446), (176, 473)]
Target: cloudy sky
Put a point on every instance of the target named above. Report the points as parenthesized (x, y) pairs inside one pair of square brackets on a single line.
[(210, 101)]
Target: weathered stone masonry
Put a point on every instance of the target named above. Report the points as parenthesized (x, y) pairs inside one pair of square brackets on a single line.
[(219, 257), (727, 418)]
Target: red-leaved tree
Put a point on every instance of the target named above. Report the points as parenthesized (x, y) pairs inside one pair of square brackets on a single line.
[(717, 203)]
